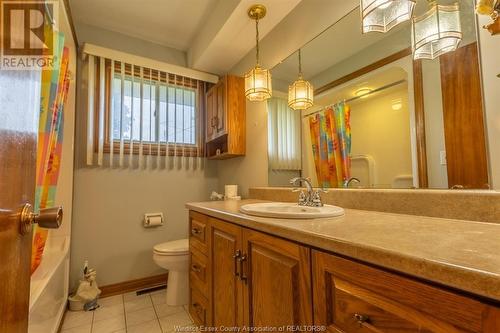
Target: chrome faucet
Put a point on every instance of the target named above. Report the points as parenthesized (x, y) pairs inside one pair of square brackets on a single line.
[(352, 179), (310, 198)]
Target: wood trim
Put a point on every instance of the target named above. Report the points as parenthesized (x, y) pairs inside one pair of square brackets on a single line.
[(365, 70), (418, 90), (133, 285), (67, 7)]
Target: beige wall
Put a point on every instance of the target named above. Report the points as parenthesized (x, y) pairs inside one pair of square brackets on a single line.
[(383, 133), (251, 169)]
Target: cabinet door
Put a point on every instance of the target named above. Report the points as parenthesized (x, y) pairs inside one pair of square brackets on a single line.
[(278, 291), (227, 289), (352, 297), (221, 107), (211, 112)]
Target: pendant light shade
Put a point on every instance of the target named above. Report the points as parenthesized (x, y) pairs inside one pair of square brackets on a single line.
[(300, 95), (258, 85), (436, 32), (301, 92), (383, 15), (258, 82)]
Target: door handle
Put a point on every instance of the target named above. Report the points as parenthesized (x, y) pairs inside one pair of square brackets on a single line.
[(50, 218), (243, 276), (236, 258)]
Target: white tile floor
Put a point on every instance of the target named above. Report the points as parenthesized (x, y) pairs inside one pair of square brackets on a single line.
[(129, 313)]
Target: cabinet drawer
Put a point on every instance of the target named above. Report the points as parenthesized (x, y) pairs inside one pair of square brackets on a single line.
[(358, 310), (199, 309), (198, 271), (198, 231), (353, 297)]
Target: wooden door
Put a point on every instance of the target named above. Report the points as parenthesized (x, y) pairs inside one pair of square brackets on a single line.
[(278, 291), (465, 138), (221, 107), (227, 288), (211, 110), (18, 142)]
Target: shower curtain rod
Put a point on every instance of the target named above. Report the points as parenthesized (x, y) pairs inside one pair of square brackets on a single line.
[(390, 85)]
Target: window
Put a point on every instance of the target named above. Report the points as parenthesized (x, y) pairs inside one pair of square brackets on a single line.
[(135, 110), (284, 136), (147, 112), (168, 113)]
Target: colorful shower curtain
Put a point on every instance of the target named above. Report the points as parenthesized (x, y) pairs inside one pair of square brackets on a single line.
[(331, 145), (54, 89)]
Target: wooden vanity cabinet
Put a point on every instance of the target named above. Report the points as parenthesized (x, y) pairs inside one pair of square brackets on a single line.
[(226, 118), (353, 297), (200, 273), (248, 278), (247, 268)]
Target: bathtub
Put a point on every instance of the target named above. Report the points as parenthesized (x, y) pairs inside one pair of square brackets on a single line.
[(49, 287)]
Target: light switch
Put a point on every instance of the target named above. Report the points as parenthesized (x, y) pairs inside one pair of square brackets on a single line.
[(442, 157)]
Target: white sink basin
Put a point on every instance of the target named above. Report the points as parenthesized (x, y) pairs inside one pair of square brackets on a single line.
[(290, 210)]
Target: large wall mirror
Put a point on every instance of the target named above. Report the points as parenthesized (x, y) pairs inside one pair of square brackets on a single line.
[(381, 119)]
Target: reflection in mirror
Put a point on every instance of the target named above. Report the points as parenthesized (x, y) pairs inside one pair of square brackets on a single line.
[(381, 119)]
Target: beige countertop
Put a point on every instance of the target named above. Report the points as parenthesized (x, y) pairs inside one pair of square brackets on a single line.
[(461, 254)]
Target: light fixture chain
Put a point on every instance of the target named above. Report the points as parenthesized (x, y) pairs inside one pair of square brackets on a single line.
[(300, 63), (257, 40)]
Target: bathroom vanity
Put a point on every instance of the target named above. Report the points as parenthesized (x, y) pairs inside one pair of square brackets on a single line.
[(362, 272)]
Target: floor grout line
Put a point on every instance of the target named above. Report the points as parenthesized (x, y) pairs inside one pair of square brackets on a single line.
[(124, 313)]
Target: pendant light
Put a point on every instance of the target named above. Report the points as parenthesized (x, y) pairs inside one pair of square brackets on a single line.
[(301, 92), (436, 32), (258, 85), (383, 15)]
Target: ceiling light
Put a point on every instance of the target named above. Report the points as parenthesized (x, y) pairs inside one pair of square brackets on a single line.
[(436, 32), (397, 105), (383, 15), (363, 92), (258, 86), (301, 92)]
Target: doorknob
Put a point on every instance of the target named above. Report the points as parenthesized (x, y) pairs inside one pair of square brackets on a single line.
[(50, 218)]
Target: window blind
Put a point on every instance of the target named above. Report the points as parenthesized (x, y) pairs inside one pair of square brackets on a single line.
[(284, 136), (141, 117)]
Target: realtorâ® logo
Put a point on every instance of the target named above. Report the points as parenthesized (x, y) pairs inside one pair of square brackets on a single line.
[(28, 34)]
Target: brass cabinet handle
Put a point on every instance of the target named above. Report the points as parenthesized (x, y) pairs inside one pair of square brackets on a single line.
[(361, 319), (236, 258), (243, 276), (195, 231), (198, 308), (195, 268)]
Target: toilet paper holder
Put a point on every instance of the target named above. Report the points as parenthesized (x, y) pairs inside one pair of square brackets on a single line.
[(152, 220)]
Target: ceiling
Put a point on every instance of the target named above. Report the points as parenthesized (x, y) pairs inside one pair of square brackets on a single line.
[(172, 23), (214, 34), (343, 40), (372, 81)]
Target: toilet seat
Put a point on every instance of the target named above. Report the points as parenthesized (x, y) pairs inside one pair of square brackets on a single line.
[(173, 248)]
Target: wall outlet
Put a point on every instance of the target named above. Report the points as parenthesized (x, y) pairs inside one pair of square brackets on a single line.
[(442, 157)]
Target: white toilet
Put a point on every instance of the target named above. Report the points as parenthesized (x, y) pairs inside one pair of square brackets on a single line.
[(174, 257)]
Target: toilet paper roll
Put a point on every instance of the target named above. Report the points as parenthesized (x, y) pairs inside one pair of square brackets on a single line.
[(153, 221), (231, 191)]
